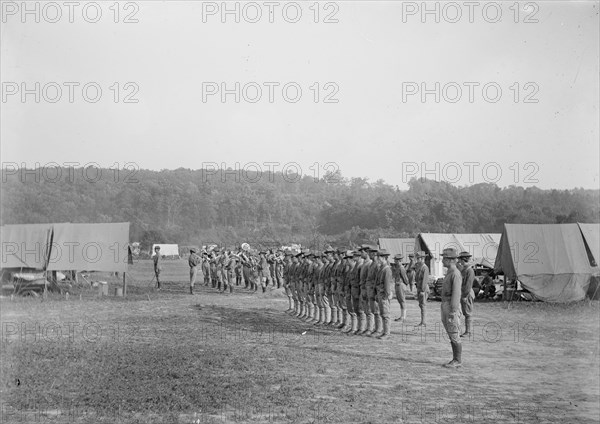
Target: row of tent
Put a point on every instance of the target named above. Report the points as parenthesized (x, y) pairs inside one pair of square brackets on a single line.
[(555, 262), (66, 246)]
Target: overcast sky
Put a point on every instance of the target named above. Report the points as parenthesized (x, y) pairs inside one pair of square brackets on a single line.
[(374, 58)]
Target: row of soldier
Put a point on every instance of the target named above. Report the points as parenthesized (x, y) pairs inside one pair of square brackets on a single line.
[(349, 290)]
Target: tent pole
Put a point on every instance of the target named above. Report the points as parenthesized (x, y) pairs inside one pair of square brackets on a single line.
[(124, 285)]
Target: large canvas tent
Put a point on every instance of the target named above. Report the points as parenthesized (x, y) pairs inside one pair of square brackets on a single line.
[(395, 246), (552, 261), (483, 247), (57, 247), (25, 246)]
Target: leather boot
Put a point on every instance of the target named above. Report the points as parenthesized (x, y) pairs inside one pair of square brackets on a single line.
[(456, 356), (230, 288), (363, 325), (341, 318), (191, 289), (315, 315), (378, 331), (348, 326), (422, 323), (311, 312), (386, 329), (370, 325), (468, 325), (333, 317), (321, 316), (327, 316), (354, 328)]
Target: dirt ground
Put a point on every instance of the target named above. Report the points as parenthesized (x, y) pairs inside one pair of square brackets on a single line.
[(172, 357)]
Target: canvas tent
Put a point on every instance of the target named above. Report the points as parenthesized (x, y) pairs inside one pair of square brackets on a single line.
[(25, 246), (552, 261), (56, 247), (483, 247), (395, 246), (166, 249)]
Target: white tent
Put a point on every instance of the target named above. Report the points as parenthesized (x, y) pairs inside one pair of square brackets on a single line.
[(166, 249)]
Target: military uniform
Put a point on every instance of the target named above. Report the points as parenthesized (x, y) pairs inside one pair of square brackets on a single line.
[(193, 261), (383, 292), (400, 279), (467, 295), (373, 307), (364, 299), (157, 266), (422, 283), (324, 284), (450, 308)]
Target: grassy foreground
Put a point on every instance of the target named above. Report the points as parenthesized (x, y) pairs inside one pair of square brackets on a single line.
[(171, 357)]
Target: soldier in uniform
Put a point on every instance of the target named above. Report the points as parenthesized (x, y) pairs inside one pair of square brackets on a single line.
[(313, 315), (193, 261), (344, 291), (410, 271), (157, 267), (325, 281), (213, 269), (333, 290), (422, 283), (238, 271), (293, 277), (230, 265), (264, 272), (383, 291), (285, 279), (206, 268), (373, 317), (279, 269), (354, 293), (451, 313), (400, 279), (364, 299), (467, 295), (297, 283)]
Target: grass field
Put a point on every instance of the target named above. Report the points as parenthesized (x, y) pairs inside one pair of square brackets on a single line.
[(172, 357)]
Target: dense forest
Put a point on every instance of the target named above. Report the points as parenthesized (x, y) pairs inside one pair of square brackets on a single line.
[(193, 207)]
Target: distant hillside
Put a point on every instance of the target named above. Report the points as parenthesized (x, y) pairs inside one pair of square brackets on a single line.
[(196, 207)]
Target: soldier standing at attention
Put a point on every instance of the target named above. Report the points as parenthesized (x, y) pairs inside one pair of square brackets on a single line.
[(364, 299), (384, 284), (373, 318), (193, 261), (264, 273), (354, 302), (410, 271), (157, 267), (344, 291), (467, 295), (451, 295), (285, 279), (422, 283), (400, 278), (313, 287)]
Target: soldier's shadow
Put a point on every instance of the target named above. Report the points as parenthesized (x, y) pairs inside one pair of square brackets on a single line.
[(278, 327)]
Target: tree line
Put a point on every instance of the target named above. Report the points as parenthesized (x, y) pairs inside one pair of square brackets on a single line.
[(195, 207)]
